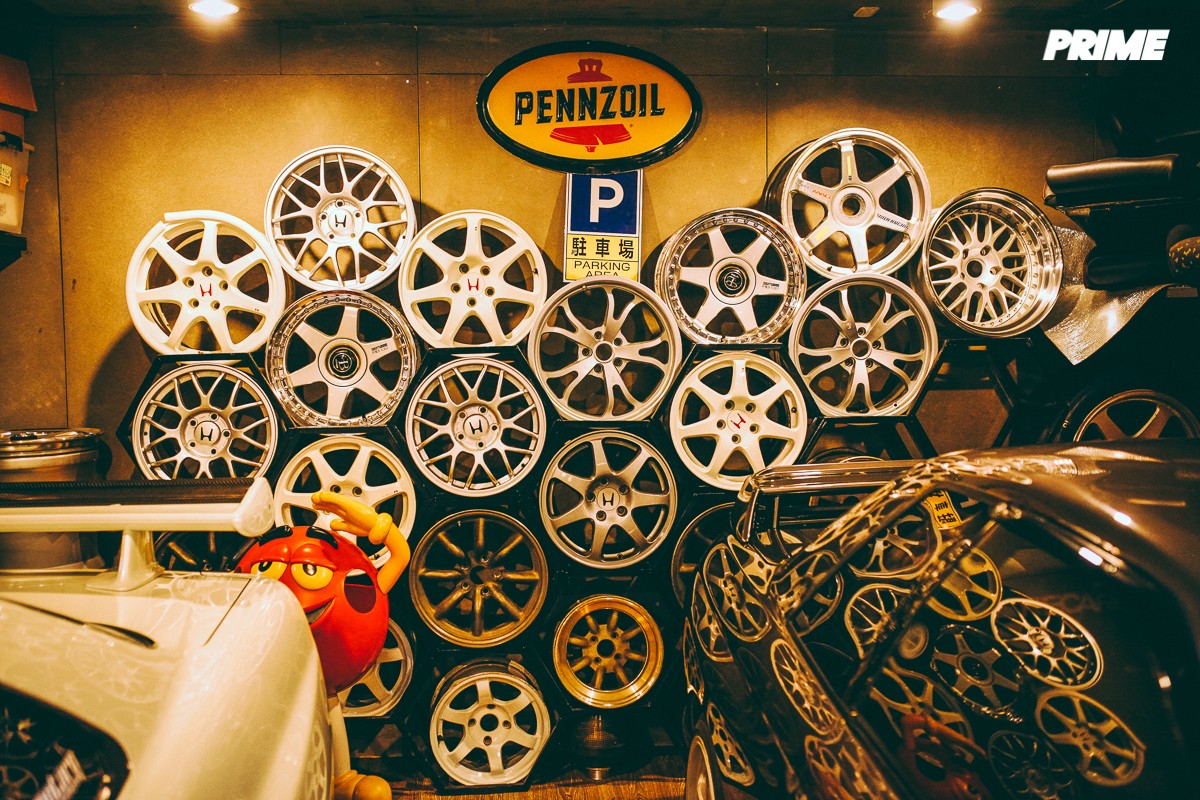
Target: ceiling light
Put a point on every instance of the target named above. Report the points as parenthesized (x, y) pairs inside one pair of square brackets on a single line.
[(955, 10), (866, 12), (214, 8)]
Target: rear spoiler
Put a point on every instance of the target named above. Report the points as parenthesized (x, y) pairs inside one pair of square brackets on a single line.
[(829, 477)]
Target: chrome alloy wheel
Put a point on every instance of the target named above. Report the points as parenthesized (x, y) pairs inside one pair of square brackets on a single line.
[(1051, 645), (475, 426), (204, 282), (864, 345), (731, 277), (856, 200), (339, 218), (735, 414), (472, 278), (340, 358), (608, 499), (608, 651), (605, 348), (204, 420)]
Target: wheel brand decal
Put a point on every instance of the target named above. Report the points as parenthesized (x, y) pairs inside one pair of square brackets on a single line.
[(588, 107)]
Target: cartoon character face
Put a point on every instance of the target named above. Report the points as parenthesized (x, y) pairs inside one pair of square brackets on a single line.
[(338, 590)]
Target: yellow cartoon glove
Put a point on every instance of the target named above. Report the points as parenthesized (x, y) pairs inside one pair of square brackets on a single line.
[(358, 519)]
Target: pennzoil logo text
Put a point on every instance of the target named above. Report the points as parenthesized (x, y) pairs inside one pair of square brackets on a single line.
[(1107, 45), (596, 102)]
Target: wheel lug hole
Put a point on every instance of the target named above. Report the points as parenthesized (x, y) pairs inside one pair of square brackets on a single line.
[(357, 490), (454, 287), (736, 438), (600, 515), (598, 334), (506, 724), (749, 408), (489, 291), (337, 489), (463, 268), (226, 434), (471, 723), (597, 369), (618, 341), (486, 271), (487, 740), (470, 301), (720, 424), (188, 282), (590, 497), (194, 303), (622, 510), (754, 429), (215, 304), (207, 272), (339, 203), (587, 351)]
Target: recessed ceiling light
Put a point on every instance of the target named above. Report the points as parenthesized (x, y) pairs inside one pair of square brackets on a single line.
[(214, 8), (866, 11), (955, 10)]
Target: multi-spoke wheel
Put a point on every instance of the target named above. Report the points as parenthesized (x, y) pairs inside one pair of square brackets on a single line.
[(607, 499), (339, 218), (478, 578), (694, 541), (1131, 414), (992, 263), (864, 345), (906, 546), (708, 629), (475, 426), (824, 601), (489, 723), (969, 591), (900, 692), (605, 348), (472, 278), (805, 691), (203, 282), (870, 611), (340, 358), (204, 420), (377, 693), (1103, 748), (352, 465), (608, 652), (980, 672), (18, 783), (692, 674), (731, 277), (743, 614), (199, 551), (856, 200), (735, 414), (1029, 768), (1052, 646), (841, 771), (731, 759)]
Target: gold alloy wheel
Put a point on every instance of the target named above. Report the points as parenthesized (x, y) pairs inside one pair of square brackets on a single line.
[(608, 652)]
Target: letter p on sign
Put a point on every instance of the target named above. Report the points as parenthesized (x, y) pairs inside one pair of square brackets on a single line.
[(600, 187)]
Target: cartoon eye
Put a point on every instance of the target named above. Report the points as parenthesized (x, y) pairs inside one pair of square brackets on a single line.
[(269, 569), (311, 576)]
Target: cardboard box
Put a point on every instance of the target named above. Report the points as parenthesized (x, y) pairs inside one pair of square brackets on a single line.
[(16, 96), (14, 176)]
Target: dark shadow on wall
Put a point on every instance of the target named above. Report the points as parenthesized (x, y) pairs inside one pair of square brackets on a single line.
[(108, 400)]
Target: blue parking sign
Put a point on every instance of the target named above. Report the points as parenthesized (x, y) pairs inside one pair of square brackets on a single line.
[(605, 203)]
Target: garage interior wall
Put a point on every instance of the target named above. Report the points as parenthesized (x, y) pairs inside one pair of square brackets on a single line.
[(137, 120)]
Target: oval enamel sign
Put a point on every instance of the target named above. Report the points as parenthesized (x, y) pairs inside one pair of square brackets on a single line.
[(588, 107)]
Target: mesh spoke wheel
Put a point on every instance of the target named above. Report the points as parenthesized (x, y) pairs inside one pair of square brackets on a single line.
[(489, 723), (608, 652), (475, 427), (992, 263), (608, 499), (478, 578), (869, 611), (352, 465), (1136, 414), (804, 690), (694, 541), (472, 278), (340, 358), (731, 277), (339, 218), (981, 673), (1104, 750), (605, 348), (204, 420), (1052, 646), (969, 591), (1029, 768), (856, 200), (900, 692), (203, 282), (377, 693), (742, 614), (864, 345), (735, 414)]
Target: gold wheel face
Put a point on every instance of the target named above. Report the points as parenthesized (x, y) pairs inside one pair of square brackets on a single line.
[(608, 651), (478, 578)]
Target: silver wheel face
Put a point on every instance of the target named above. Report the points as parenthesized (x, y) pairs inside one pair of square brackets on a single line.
[(869, 612), (742, 614), (1104, 750), (472, 278), (608, 651), (694, 541), (340, 358), (980, 672), (855, 201), (1137, 414), (735, 414), (204, 420), (900, 692), (339, 218), (992, 263), (864, 345), (1029, 768), (708, 629), (356, 467), (731, 759), (731, 277), (1052, 646), (804, 690), (203, 282), (605, 349), (608, 499), (692, 674), (377, 693), (475, 427), (489, 724), (969, 591)]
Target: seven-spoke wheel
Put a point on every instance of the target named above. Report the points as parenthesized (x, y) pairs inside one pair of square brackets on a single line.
[(608, 652)]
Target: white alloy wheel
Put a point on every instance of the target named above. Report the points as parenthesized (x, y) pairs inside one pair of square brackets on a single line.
[(339, 218), (204, 282), (377, 693), (472, 278)]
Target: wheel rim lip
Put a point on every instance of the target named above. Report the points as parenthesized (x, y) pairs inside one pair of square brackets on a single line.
[(636, 689), (800, 161), (167, 378), (298, 313), (667, 279), (1160, 400), (744, 599), (1027, 221), (452, 221), (671, 336), (663, 529), (703, 776), (728, 361), (180, 222), (1097, 668), (397, 692), (904, 403), (505, 632), (403, 198)]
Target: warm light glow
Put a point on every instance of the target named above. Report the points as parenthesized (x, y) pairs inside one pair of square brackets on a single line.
[(956, 10), (214, 8), (1123, 518), (1091, 556)]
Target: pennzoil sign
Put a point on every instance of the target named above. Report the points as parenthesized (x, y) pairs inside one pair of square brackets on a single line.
[(588, 107)]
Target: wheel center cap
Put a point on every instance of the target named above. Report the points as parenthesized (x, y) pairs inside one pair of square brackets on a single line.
[(1041, 640), (732, 279), (607, 497), (343, 362), (737, 421), (853, 205), (339, 219), (476, 427), (204, 434), (860, 348), (605, 352)]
